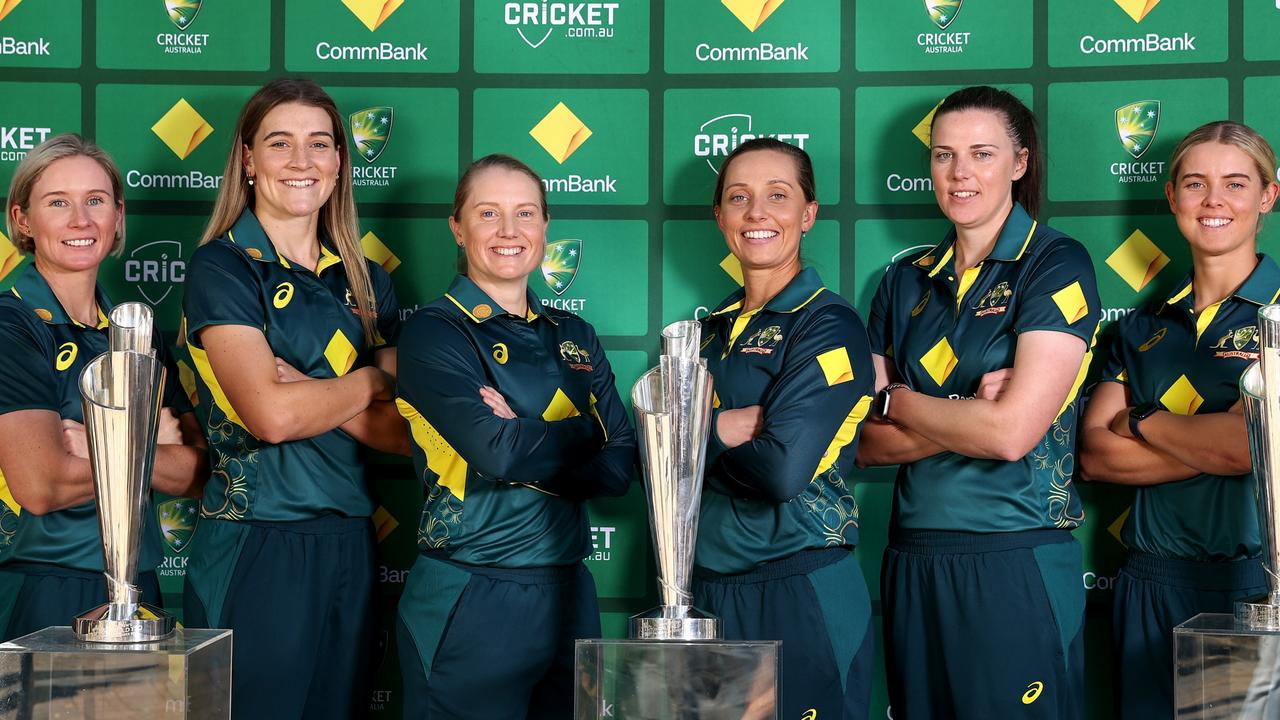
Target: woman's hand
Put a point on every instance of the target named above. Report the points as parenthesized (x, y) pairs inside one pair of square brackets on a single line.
[(496, 402), (993, 384), (74, 439), (740, 425), (1120, 423), (168, 429), (288, 373)]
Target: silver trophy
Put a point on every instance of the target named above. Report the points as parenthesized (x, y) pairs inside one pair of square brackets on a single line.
[(121, 392), (1260, 391), (673, 415)]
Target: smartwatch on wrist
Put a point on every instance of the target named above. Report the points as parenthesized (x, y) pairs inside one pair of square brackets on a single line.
[(882, 399), (1137, 415)]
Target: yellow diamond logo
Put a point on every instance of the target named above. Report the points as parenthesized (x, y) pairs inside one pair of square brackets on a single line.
[(372, 12), (1070, 301), (733, 268), (559, 408), (1138, 260), (383, 523), (940, 361), (560, 133), (10, 258), (340, 353), (752, 13), (1115, 527), (7, 6), (1137, 9), (1181, 398), (375, 250), (182, 129), (924, 129)]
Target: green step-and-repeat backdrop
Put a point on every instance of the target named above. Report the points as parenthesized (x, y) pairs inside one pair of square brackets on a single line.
[(626, 108)]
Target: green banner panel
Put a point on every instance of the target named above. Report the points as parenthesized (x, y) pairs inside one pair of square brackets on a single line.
[(1261, 28), (371, 36), (184, 34), (752, 36), (943, 35), (41, 33), (577, 38), (153, 265), (598, 269), (47, 109), (880, 242), (1136, 32)]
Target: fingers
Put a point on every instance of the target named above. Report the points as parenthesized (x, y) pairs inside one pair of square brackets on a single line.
[(496, 403)]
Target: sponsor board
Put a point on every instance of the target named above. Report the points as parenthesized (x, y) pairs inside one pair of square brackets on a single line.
[(184, 34), (40, 34), (1261, 27), (891, 141), (420, 255), (1262, 113), (943, 35), (752, 36), (1136, 32), (562, 37), (46, 109), (153, 266), (620, 532), (598, 269), (701, 127), (880, 243), (1112, 140), (589, 146), (375, 36)]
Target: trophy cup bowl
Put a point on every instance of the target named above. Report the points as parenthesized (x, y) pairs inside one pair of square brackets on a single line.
[(1260, 395), (121, 393)]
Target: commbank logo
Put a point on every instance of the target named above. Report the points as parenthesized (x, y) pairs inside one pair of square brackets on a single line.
[(177, 518), (943, 12), (1137, 9), (1136, 124), (371, 131), (9, 255), (155, 268), (7, 6), (182, 12), (560, 264), (1137, 260), (372, 12), (579, 19), (752, 13), (182, 129), (717, 137), (377, 251), (560, 132)]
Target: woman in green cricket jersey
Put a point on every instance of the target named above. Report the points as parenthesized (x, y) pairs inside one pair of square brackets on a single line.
[(66, 210), (793, 384), (292, 333), (515, 423), (1167, 418), (981, 344)]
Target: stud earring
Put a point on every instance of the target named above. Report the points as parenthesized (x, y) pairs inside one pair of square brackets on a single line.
[(250, 181)]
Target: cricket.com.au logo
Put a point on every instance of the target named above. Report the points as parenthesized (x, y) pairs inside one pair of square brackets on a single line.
[(12, 46), (370, 134), (752, 14), (536, 22), (182, 129), (372, 14), (182, 13), (602, 543), (943, 13), (1123, 43), (562, 133), (560, 265), (17, 140), (718, 137), (155, 269), (1136, 127)]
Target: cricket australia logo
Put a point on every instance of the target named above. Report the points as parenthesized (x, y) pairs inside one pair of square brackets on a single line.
[(577, 358), (762, 341), (155, 269), (995, 302), (1136, 125), (560, 264), (943, 12), (1241, 343), (182, 12), (371, 131), (177, 521)]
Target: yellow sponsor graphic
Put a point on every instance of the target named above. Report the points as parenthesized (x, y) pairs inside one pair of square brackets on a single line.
[(1070, 301), (940, 361), (187, 378), (66, 356), (1137, 260), (500, 353), (924, 129), (1181, 397), (732, 268), (1033, 692), (560, 408), (1118, 524), (284, 293), (340, 353), (1137, 9), (7, 6), (205, 370), (835, 366), (377, 251), (182, 129), (6, 497), (372, 12), (383, 523), (752, 13), (10, 258), (810, 714), (844, 435), (560, 132), (442, 459)]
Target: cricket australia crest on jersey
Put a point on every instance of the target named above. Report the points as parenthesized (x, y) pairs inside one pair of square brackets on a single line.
[(1241, 343), (995, 302), (577, 358), (763, 341)]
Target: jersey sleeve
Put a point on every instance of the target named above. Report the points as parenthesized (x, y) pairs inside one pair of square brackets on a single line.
[(879, 328), (1061, 293), (220, 289), (1116, 368), (174, 396), (813, 413), (388, 307), (27, 379), (439, 377)]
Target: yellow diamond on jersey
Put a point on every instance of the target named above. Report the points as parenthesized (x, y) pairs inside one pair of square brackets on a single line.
[(835, 366), (372, 12), (1137, 260), (560, 132), (1182, 398), (940, 361), (752, 13), (1070, 301), (377, 251), (559, 408), (182, 129), (340, 353)]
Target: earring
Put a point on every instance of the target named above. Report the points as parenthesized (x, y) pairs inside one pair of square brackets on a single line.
[(250, 181)]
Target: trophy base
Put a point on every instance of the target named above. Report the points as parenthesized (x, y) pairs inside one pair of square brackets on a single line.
[(674, 622), (143, 625), (1258, 614)]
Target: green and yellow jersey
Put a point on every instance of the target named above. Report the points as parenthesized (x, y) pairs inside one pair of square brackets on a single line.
[(1191, 364), (944, 331), (44, 352), (508, 492), (803, 357), (309, 320)]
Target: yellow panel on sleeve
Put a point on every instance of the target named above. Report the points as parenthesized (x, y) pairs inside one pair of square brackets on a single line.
[(835, 366), (1070, 301), (844, 435), (442, 459), (6, 496), (201, 359)]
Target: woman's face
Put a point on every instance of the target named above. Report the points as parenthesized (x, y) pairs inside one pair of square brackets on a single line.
[(501, 227), (73, 215), (294, 162), (1218, 199), (762, 210), (974, 163)]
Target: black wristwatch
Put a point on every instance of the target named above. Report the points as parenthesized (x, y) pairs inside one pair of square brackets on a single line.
[(1138, 414), (882, 399)]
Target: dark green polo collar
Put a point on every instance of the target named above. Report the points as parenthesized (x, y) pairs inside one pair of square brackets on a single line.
[(34, 290), (477, 305), (1259, 288), (803, 287), (1015, 238), (248, 234)]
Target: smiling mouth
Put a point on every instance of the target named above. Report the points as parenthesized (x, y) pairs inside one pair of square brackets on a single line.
[(508, 251), (1215, 222), (80, 242), (299, 183), (760, 234), (964, 194)]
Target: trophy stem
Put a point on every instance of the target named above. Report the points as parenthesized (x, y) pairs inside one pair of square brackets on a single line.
[(1260, 395)]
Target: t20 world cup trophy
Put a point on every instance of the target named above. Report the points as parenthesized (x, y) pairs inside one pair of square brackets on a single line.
[(673, 415), (1260, 392), (121, 390)]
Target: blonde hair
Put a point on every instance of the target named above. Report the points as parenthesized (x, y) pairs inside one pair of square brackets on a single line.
[(1228, 132), (337, 217), (29, 170)]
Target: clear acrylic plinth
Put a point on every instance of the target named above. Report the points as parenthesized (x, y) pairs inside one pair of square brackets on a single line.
[(1224, 670), (676, 680), (50, 675)]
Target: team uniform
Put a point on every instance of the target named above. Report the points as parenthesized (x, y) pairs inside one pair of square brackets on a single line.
[(980, 587), (778, 521), (283, 554), (51, 565), (499, 593), (1193, 544)]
